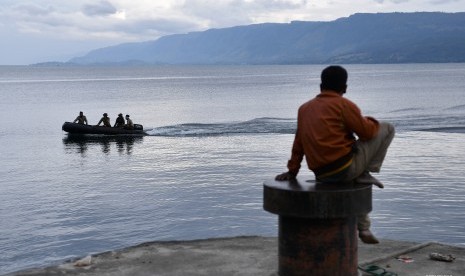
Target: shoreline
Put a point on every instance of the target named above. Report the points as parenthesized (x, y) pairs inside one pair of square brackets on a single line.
[(244, 255)]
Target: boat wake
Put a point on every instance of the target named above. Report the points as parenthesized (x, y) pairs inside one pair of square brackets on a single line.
[(458, 129), (267, 125), (255, 126)]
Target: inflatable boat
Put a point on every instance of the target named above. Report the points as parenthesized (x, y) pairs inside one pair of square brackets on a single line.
[(75, 128)]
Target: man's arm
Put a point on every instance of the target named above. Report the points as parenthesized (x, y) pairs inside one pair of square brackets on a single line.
[(365, 127), (296, 159)]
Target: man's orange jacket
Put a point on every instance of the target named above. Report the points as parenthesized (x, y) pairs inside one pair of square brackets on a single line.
[(325, 134)]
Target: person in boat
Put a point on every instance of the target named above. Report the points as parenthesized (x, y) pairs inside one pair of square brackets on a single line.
[(119, 121), (105, 120), (129, 123), (81, 119), (325, 136)]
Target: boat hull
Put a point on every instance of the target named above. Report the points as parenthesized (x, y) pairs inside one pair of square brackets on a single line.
[(74, 128)]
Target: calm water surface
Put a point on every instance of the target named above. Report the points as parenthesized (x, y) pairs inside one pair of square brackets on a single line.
[(216, 133)]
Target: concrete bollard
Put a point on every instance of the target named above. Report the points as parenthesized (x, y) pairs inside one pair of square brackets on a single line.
[(317, 225)]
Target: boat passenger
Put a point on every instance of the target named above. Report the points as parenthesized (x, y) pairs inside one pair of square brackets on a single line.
[(105, 120), (119, 121), (129, 123), (81, 119)]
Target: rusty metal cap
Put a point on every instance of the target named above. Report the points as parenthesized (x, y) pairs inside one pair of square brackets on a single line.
[(308, 199)]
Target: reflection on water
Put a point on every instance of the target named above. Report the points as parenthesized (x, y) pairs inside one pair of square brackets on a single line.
[(82, 143)]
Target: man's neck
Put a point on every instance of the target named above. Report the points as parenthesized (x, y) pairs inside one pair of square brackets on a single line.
[(332, 91)]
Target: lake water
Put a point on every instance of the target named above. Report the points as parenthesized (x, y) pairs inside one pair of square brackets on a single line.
[(216, 134)]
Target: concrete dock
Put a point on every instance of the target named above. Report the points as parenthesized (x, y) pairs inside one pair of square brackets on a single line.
[(247, 255)]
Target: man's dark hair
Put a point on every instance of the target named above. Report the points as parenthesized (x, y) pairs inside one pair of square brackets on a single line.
[(334, 78)]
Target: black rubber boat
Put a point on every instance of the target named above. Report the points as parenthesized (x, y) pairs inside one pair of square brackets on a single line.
[(74, 128)]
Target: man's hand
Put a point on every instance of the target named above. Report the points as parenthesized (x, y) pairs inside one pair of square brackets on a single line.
[(285, 176)]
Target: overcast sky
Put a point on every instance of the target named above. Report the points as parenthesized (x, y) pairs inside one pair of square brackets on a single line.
[(34, 31)]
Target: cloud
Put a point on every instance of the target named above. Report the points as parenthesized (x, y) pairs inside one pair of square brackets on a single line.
[(112, 22), (103, 8), (32, 10), (156, 27), (129, 20), (392, 1), (216, 14), (418, 4), (281, 4), (441, 2)]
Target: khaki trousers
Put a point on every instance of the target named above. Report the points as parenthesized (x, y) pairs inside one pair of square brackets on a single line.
[(369, 156)]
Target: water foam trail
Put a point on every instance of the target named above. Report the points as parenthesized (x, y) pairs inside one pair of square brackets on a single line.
[(457, 107), (268, 125), (460, 129), (256, 126)]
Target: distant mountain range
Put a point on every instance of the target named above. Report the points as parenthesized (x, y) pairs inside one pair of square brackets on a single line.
[(421, 37)]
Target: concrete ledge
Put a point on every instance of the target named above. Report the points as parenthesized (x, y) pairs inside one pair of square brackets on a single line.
[(250, 255)]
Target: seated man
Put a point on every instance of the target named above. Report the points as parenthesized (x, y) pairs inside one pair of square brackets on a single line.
[(81, 119), (119, 121), (325, 136), (129, 123), (105, 120)]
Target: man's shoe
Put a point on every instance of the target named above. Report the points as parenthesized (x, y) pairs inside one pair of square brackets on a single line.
[(367, 237)]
